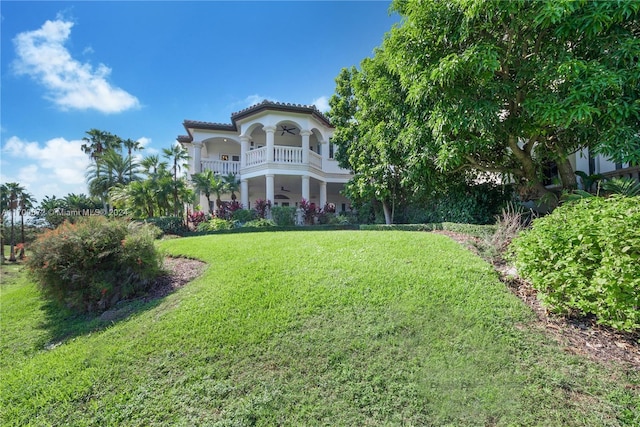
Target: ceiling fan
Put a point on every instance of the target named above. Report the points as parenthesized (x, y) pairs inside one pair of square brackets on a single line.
[(287, 130), (284, 189)]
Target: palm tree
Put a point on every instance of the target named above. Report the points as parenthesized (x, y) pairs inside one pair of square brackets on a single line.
[(178, 156), (152, 166), (204, 182), (4, 205), (96, 143), (25, 202), (14, 191), (233, 185), (131, 145)]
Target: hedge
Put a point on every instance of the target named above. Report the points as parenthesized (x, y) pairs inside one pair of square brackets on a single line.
[(584, 258)]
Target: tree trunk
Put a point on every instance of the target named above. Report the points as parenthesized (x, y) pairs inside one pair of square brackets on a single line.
[(567, 175), (21, 255), (537, 189), (388, 214), (12, 254), (2, 237)]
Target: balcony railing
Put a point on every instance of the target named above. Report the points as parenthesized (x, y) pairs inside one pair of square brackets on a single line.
[(630, 172), (221, 167), (282, 155), (315, 159), (291, 155), (256, 157)]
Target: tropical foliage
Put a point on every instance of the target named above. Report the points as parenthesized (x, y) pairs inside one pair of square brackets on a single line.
[(585, 258), (509, 88)]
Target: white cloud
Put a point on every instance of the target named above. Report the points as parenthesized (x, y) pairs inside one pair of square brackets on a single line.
[(28, 174), (147, 151), (71, 84), (322, 103), (57, 167)]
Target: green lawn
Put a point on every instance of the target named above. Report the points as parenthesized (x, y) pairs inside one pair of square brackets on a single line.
[(342, 328)]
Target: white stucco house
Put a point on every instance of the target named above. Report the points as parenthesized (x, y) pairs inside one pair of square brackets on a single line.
[(279, 152), (600, 165)]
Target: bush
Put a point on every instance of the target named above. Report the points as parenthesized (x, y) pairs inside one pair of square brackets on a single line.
[(168, 224), (475, 204), (216, 224), (284, 215), (96, 262), (197, 217), (261, 207), (243, 215), (585, 258), (260, 223)]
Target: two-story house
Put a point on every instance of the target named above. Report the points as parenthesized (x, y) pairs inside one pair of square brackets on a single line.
[(279, 152)]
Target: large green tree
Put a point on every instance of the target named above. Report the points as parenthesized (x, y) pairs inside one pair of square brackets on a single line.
[(513, 86), (374, 139)]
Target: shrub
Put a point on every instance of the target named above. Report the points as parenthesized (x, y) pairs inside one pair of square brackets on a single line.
[(261, 207), (168, 224), (216, 224), (197, 217), (243, 215), (96, 262), (226, 209), (284, 216), (474, 204), (309, 211), (260, 223), (585, 258)]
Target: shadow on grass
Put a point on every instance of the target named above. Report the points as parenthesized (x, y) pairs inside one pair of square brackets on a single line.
[(64, 324)]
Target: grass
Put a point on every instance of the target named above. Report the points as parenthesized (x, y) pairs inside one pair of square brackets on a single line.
[(307, 328)]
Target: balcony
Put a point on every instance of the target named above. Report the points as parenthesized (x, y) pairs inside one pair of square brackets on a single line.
[(284, 157), (221, 167)]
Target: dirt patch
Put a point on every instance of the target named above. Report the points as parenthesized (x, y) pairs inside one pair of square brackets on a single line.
[(180, 271), (578, 335)]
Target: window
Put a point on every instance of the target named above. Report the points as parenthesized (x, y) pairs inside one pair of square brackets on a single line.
[(224, 157), (235, 158)]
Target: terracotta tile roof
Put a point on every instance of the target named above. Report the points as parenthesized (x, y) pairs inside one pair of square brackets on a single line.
[(281, 106), (264, 105), (210, 125)]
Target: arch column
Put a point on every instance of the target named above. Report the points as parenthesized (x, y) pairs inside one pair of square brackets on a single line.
[(244, 148), (270, 191), (305, 187), (305, 146), (244, 193), (270, 131), (197, 157), (323, 194)]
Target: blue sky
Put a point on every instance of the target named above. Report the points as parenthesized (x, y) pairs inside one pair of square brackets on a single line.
[(138, 69)]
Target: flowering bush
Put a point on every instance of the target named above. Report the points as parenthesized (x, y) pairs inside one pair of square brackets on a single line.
[(261, 207), (96, 262), (197, 217), (309, 211), (226, 209)]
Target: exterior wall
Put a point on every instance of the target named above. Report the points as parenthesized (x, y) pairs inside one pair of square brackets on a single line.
[(603, 166), (300, 161)]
